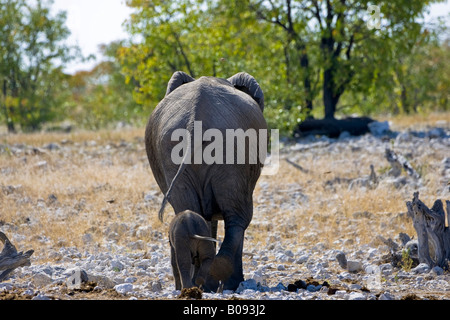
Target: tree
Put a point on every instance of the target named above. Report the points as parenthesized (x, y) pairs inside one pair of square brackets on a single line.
[(101, 96), (208, 38), (406, 76), (32, 55), (338, 30), (309, 56)]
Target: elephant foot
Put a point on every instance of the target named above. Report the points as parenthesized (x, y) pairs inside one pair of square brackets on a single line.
[(221, 268), (211, 285)]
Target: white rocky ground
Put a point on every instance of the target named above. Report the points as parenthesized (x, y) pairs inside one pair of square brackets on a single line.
[(282, 269)]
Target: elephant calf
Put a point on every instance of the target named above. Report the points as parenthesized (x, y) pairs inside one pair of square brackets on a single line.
[(190, 246)]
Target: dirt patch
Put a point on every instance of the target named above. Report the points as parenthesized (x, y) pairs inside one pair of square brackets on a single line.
[(411, 296), (14, 295), (191, 293), (85, 287)]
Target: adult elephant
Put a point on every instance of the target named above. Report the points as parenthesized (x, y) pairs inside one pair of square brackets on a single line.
[(222, 189)]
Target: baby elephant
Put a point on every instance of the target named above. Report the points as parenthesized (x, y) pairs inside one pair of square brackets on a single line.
[(191, 246)]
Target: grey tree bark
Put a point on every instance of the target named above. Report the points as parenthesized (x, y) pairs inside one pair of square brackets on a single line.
[(10, 259), (432, 231)]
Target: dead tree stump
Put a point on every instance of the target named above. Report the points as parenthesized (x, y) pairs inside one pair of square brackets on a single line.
[(398, 163), (10, 259), (432, 231)]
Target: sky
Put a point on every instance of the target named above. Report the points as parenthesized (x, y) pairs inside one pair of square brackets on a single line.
[(96, 22), (92, 23)]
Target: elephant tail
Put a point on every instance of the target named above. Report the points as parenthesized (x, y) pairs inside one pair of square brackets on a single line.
[(167, 195), (179, 172), (196, 236)]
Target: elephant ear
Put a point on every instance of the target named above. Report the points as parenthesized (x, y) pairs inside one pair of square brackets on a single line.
[(246, 83), (178, 79)]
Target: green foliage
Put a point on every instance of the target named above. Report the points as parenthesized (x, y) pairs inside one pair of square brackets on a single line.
[(211, 39), (312, 58), (407, 261), (33, 88), (101, 97)]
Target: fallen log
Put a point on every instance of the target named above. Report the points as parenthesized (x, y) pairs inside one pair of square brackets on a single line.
[(333, 127), (10, 259), (432, 232)]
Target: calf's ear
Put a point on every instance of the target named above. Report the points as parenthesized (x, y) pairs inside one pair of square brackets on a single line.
[(178, 79), (246, 83)]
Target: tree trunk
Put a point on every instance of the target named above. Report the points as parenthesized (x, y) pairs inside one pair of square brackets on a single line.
[(9, 123), (330, 98), (432, 228), (10, 259), (304, 63)]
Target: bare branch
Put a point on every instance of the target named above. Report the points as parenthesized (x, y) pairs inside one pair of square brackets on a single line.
[(10, 259)]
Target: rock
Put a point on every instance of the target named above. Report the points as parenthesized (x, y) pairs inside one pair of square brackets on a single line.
[(87, 238), (355, 286), (386, 269), (130, 279), (116, 265), (41, 297), (124, 288), (354, 266), (52, 146), (41, 279), (8, 190), (289, 253), (313, 288), (77, 277), (52, 199), (278, 287), (302, 259), (102, 281), (151, 196), (438, 271), (356, 296), (379, 128), (403, 137), (421, 268), (340, 294), (156, 286), (342, 260), (41, 165), (5, 286), (143, 264), (386, 296), (372, 269), (436, 133), (247, 285)]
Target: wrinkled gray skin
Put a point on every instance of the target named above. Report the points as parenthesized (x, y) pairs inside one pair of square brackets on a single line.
[(216, 191), (191, 246)]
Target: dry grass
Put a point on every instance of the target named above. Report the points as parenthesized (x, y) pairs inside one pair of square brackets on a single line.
[(419, 120), (92, 181), (96, 182)]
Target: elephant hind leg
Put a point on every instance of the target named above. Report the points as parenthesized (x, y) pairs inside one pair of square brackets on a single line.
[(183, 263), (227, 266), (176, 273)]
